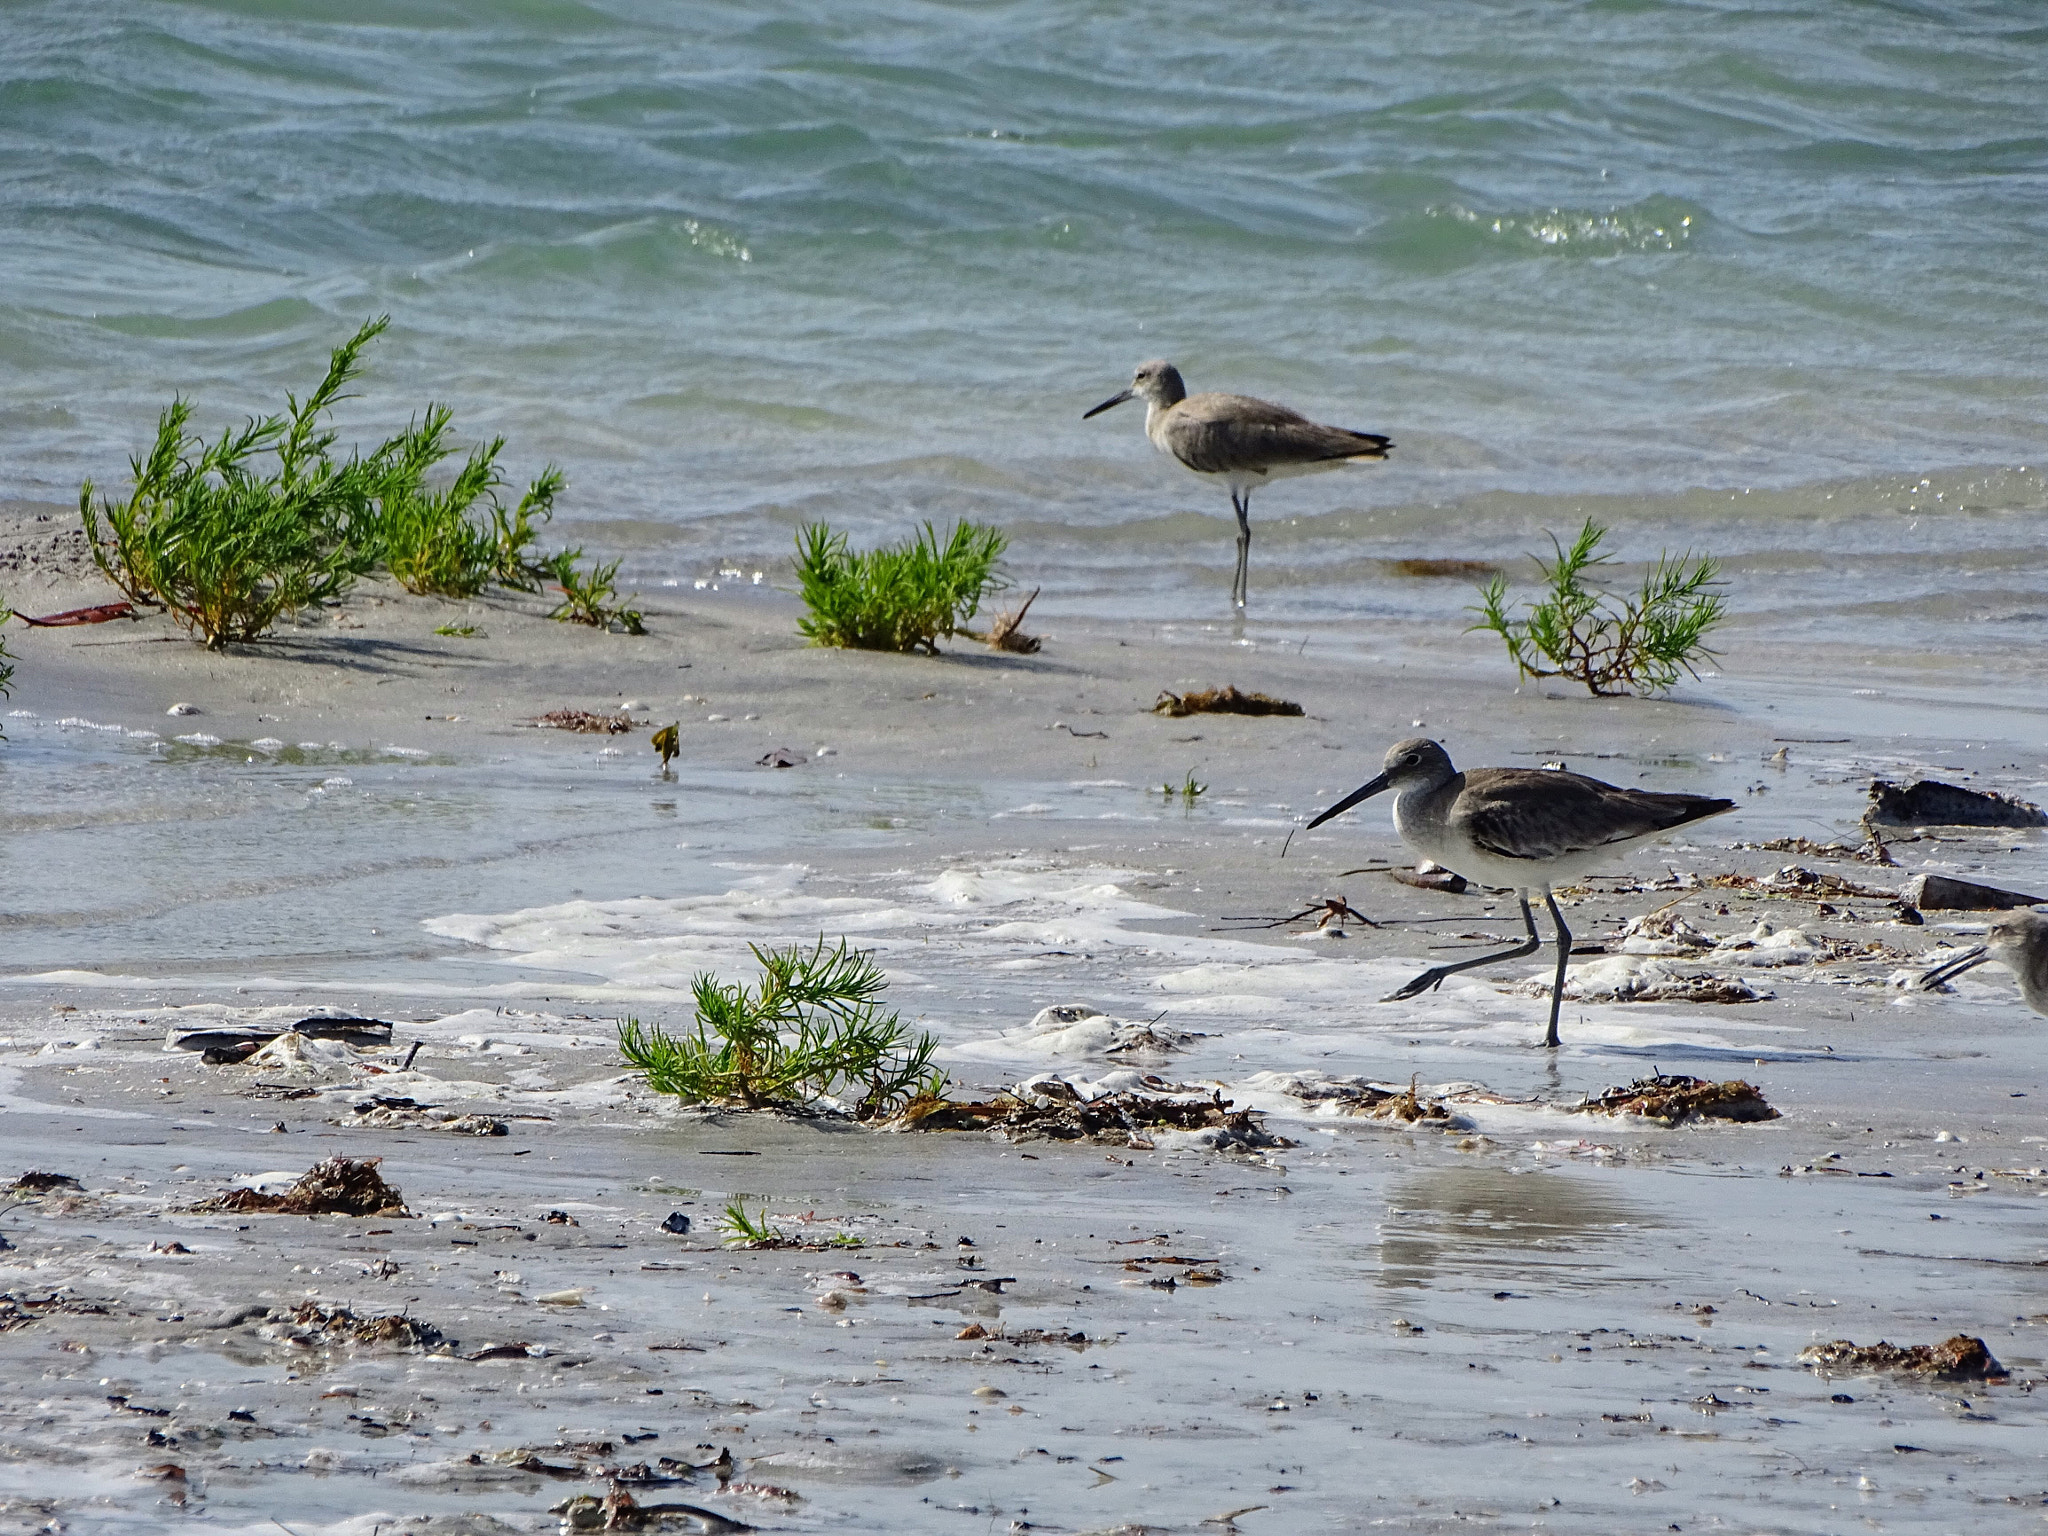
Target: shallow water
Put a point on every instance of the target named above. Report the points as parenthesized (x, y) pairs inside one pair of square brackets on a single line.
[(1753, 281)]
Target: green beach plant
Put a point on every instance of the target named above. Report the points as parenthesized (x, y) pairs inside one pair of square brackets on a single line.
[(587, 597), (227, 549), (744, 1231), (232, 535), (903, 597), (1612, 644), (813, 1026), (458, 540)]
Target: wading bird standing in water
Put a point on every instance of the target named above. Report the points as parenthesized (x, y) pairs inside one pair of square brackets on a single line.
[(2019, 941), (1238, 440), (1520, 828)]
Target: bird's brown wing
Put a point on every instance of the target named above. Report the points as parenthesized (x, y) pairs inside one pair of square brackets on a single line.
[(1220, 434), (1524, 813)]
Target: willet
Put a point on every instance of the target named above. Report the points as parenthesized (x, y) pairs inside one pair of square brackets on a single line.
[(1240, 441), (1520, 828), (2019, 941)]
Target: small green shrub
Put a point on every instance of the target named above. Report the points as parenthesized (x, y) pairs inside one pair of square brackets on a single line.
[(515, 566), (1613, 645), (456, 541), (906, 597), (744, 1231), (587, 597), (813, 1026), (227, 550)]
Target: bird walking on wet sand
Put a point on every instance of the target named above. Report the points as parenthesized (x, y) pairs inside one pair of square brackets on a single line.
[(1240, 441), (2019, 941), (1521, 828)]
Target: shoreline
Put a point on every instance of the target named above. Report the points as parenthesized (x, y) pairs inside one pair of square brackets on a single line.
[(1498, 1305)]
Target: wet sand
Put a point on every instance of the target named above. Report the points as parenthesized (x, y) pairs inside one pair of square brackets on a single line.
[(1498, 1325)]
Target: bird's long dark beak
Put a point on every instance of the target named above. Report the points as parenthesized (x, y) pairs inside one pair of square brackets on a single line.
[(1363, 792), (1116, 399), (1953, 967)]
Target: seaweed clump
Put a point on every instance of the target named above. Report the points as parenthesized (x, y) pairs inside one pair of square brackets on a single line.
[(1222, 701), (1050, 1107), (588, 722), (1672, 1097), (339, 1186), (311, 1325), (1959, 1358)]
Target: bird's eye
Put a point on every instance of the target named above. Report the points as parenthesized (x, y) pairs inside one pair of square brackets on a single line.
[(1412, 760)]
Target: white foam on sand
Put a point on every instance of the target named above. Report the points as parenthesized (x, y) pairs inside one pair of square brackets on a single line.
[(944, 939)]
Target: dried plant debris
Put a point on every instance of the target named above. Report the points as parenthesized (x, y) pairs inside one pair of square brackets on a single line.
[(1797, 881), (1643, 979), (586, 721), (1872, 852), (18, 1308), (1006, 631), (1002, 1334), (310, 1325), (617, 1511), (387, 1113), (1123, 1109), (1670, 1098), (1331, 909), (339, 1186), (1222, 701), (35, 1183), (1931, 803), (1356, 1096), (1960, 1358)]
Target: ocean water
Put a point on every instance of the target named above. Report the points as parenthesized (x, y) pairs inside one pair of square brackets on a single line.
[(1760, 281)]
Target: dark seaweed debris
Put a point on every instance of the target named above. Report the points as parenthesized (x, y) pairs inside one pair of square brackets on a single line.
[(1056, 1110), (34, 1183), (313, 1325), (1670, 1097), (340, 1186), (587, 722), (1222, 701), (18, 1310), (1960, 1358)]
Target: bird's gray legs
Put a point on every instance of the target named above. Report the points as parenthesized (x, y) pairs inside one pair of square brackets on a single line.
[(1434, 977), (1564, 954), (1240, 588)]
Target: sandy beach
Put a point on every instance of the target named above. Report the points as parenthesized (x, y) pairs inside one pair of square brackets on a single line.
[(1576, 1321)]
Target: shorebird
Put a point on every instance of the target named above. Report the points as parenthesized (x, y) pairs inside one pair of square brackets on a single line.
[(1521, 828), (1238, 440), (2019, 941)]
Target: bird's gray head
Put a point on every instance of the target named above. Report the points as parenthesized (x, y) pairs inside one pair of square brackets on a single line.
[(2018, 933), (1157, 383), (1417, 763)]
